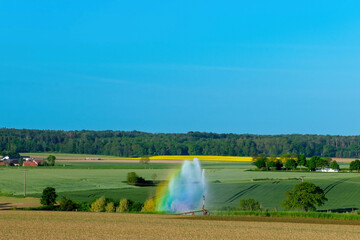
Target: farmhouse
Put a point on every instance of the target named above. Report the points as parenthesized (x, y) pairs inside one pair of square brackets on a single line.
[(11, 162), (32, 162), (327, 169)]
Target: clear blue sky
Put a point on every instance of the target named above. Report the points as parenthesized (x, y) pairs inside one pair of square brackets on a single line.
[(263, 67)]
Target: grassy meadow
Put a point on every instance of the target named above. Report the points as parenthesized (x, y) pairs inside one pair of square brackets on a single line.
[(85, 225), (227, 182)]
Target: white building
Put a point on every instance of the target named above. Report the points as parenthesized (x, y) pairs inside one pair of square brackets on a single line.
[(327, 169)]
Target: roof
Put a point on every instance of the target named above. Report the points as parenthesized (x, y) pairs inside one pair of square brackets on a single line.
[(30, 164)]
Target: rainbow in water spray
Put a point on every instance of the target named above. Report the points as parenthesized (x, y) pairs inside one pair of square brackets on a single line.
[(185, 189)]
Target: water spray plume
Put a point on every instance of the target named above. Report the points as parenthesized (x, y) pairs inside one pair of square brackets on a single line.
[(185, 189)]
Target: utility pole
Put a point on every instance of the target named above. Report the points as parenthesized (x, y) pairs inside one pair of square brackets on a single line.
[(24, 183)]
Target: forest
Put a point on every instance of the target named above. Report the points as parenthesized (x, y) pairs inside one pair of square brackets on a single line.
[(135, 143)]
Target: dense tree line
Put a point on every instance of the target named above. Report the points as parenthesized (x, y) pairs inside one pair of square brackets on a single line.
[(291, 161), (134, 143)]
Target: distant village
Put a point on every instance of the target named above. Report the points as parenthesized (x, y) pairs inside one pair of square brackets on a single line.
[(25, 161)]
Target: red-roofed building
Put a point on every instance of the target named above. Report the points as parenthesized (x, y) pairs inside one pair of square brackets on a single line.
[(37, 160), (30, 164)]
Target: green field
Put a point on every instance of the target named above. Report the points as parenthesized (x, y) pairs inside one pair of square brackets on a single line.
[(227, 183)]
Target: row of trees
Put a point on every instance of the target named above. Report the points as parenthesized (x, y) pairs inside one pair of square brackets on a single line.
[(135, 144), (49, 196), (292, 161)]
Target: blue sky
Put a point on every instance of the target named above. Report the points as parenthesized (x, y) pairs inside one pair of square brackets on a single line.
[(262, 67)]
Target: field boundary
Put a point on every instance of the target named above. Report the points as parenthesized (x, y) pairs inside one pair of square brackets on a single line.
[(311, 220)]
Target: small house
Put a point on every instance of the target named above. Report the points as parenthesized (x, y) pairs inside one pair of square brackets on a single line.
[(327, 169)]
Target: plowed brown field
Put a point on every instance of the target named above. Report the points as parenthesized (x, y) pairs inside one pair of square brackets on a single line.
[(72, 225)]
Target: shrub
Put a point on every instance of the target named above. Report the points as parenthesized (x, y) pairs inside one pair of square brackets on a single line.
[(98, 205), (249, 204), (135, 206), (84, 207), (67, 204), (123, 205), (48, 197), (110, 207), (149, 205), (134, 179), (51, 160)]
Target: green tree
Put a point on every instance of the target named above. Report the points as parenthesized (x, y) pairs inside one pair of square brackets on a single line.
[(135, 206), (305, 196), (312, 163), (271, 164), (355, 165), (290, 164), (301, 160), (48, 197), (249, 204), (51, 160), (260, 162), (334, 165), (66, 204), (322, 162), (11, 154), (134, 179)]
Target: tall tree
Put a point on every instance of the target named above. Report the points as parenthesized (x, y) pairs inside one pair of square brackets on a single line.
[(355, 165), (48, 197), (305, 196)]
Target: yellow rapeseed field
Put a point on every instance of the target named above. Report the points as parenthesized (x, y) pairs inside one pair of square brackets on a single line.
[(80, 225), (201, 158)]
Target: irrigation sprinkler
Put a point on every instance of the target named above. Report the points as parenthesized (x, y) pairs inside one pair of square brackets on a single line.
[(203, 210)]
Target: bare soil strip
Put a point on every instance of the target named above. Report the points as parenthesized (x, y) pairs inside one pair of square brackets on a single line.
[(274, 219), (7, 203), (345, 160)]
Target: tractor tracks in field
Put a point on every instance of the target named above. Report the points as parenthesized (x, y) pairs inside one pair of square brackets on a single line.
[(242, 192), (329, 187)]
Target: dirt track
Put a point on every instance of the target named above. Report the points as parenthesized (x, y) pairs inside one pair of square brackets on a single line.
[(346, 160)]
